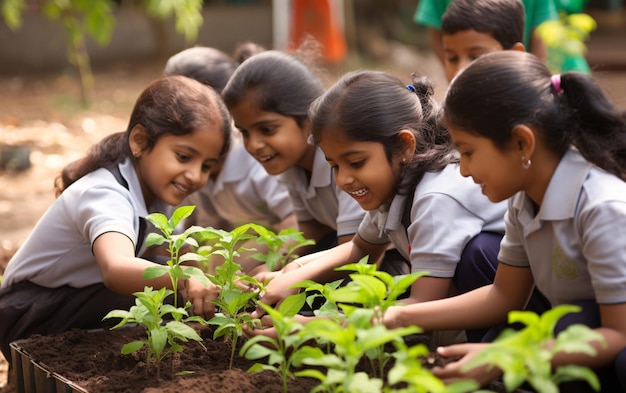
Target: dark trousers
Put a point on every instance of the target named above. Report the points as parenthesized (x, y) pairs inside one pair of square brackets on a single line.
[(477, 268), (27, 309)]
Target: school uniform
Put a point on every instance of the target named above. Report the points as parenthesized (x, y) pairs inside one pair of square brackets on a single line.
[(53, 283), (446, 228), (447, 211), (320, 199), (571, 244), (243, 192)]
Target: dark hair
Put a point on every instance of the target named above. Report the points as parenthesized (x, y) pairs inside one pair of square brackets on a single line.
[(374, 106), (281, 83), (501, 90), (502, 19), (204, 64), (170, 105)]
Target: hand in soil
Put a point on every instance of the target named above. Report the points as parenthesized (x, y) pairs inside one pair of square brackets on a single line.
[(451, 372)]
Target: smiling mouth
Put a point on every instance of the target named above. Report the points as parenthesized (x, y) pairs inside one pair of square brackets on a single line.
[(181, 188), (266, 158), (358, 193)]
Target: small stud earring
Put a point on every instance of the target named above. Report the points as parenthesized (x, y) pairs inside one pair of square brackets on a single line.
[(403, 160), (526, 163)]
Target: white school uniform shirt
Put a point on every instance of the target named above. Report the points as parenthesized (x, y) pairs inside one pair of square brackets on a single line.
[(320, 199), (574, 244), (447, 211), (242, 193), (58, 250)]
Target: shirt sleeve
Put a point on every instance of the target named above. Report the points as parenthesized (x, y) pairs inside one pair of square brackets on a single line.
[(440, 229), (274, 194), (512, 251)]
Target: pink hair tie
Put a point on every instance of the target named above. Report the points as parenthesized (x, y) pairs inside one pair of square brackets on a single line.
[(556, 83)]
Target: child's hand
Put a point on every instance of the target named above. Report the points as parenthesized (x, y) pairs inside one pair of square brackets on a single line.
[(451, 372), (201, 297), (276, 291), (391, 318)]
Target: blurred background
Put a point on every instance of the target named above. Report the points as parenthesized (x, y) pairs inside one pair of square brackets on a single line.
[(70, 70)]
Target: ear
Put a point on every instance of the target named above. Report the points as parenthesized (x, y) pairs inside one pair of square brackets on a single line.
[(407, 139), (138, 140), (518, 46), (524, 140)]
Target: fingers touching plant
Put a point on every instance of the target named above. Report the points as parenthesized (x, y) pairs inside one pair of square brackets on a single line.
[(176, 244), (525, 355), (280, 246), (285, 351)]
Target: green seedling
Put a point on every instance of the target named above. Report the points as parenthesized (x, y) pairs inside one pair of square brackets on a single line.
[(408, 370), (352, 339), (280, 247), (285, 351), (162, 339), (176, 244), (526, 355), (235, 297), (374, 290)]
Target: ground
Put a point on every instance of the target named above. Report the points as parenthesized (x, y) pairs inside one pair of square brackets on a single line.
[(44, 111)]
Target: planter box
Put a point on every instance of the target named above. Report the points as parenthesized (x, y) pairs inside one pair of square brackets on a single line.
[(32, 377)]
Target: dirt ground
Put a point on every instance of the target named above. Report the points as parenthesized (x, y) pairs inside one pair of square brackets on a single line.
[(44, 111)]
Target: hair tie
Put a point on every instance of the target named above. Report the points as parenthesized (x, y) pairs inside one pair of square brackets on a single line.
[(411, 87), (556, 83)]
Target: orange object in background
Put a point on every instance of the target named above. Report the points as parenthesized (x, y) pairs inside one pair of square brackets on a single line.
[(320, 20)]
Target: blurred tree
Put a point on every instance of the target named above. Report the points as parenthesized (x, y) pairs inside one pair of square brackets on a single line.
[(96, 19)]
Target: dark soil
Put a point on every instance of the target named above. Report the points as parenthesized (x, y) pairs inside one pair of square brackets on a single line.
[(92, 361)]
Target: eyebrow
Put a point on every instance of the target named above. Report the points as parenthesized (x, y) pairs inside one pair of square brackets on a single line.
[(194, 150), (346, 154)]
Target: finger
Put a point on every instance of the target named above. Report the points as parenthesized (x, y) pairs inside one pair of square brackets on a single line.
[(454, 350)]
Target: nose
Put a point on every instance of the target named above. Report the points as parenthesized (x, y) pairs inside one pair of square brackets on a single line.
[(464, 168), (196, 176), (343, 178), (253, 143)]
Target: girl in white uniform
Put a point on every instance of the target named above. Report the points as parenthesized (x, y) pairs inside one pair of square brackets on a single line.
[(269, 96), (555, 147), (239, 190), (390, 152), (80, 261)]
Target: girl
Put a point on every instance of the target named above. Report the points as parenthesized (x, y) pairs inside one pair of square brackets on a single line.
[(389, 150), (239, 190), (555, 146), (269, 96), (80, 261)]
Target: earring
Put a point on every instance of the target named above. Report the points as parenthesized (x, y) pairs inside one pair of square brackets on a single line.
[(403, 160), (526, 162)]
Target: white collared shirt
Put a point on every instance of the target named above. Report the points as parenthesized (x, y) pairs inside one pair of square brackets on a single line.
[(574, 244), (320, 199), (58, 250), (447, 211)]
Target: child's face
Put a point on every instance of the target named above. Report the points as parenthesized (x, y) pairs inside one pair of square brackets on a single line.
[(361, 168), (178, 165), (276, 141), (498, 172), (463, 47)]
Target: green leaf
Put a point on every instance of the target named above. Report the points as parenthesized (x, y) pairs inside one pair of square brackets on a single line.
[(133, 346), (154, 272), (180, 214), (292, 305)]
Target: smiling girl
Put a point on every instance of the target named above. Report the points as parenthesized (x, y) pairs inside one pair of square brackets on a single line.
[(269, 97), (389, 150), (554, 146), (81, 259)]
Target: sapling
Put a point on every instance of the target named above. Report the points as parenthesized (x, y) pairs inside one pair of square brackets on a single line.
[(287, 349), (408, 370), (162, 339), (176, 244), (235, 296), (526, 355), (375, 290), (280, 247)]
